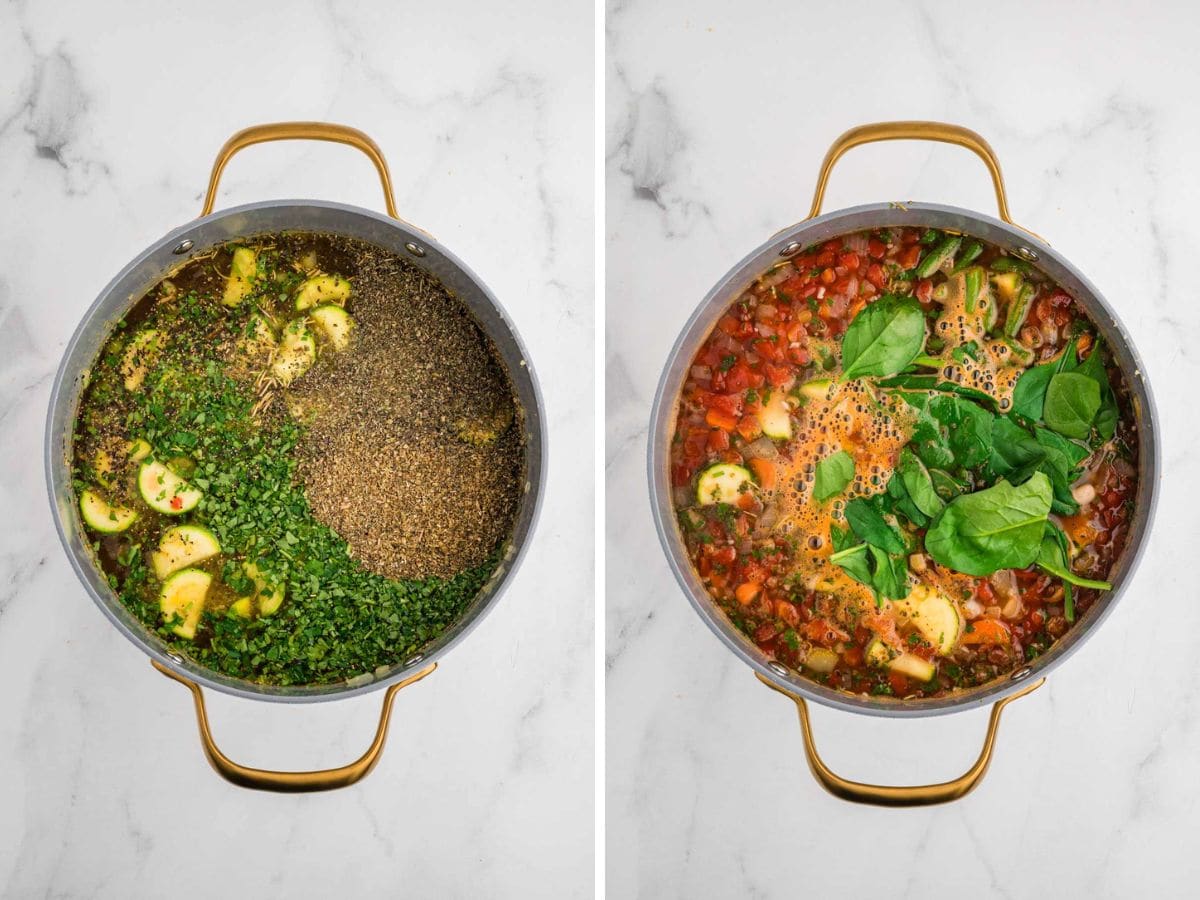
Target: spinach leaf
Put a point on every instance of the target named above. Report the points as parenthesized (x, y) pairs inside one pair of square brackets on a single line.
[(884, 338), (886, 575), (951, 432), (1029, 393), (918, 485), (870, 526), (914, 382), (997, 528), (1016, 454), (946, 485), (833, 474), (1053, 558), (1093, 368), (897, 501), (1072, 401), (1061, 458)]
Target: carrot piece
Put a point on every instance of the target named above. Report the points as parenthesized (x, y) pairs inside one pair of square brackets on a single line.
[(987, 631), (764, 471), (718, 419), (746, 592)]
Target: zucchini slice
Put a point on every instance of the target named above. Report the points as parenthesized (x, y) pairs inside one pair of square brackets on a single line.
[(913, 666), (821, 659), (878, 653), (141, 351), (266, 597), (164, 491), (817, 389), (935, 616), (183, 546), (242, 273), (1008, 284), (137, 449), (320, 290), (334, 324), (260, 336), (102, 516), (775, 417), (723, 483), (182, 597), (296, 354)]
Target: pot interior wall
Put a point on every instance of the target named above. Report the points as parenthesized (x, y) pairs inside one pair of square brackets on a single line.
[(173, 251), (815, 231)]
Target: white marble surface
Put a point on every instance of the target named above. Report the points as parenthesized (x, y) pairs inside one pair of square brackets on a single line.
[(109, 120), (717, 117)]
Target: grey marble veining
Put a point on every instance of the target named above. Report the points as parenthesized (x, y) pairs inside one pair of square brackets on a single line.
[(109, 119), (717, 118)]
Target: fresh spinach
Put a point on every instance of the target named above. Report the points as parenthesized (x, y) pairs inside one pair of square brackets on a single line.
[(1016, 454), (916, 382), (951, 432), (884, 338), (834, 472), (918, 485), (1106, 416), (870, 526), (1072, 401), (997, 528), (1029, 393), (1053, 557), (885, 575)]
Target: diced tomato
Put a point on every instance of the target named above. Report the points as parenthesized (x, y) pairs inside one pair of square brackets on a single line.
[(876, 248), (924, 290), (909, 256), (799, 356), (899, 683), (718, 419), (825, 259), (749, 427), (738, 378), (876, 276), (723, 555), (729, 324), (768, 349), (764, 471), (848, 261), (819, 631), (718, 440), (787, 612), (777, 376), (730, 404), (853, 656)]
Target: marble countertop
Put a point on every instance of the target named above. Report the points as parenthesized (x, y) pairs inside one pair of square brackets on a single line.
[(717, 118), (108, 127)]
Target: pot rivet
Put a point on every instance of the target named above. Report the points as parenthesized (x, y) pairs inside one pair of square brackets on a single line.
[(415, 249), (1027, 253), (184, 246), (178, 659), (1020, 673), (791, 249), (778, 668), (413, 660)]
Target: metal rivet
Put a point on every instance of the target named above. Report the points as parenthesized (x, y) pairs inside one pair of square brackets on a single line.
[(414, 249), (1020, 673), (778, 668), (790, 249), (1027, 253), (413, 660), (178, 659), (184, 246)]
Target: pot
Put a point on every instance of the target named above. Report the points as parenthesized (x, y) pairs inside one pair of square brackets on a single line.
[(173, 250), (818, 227)]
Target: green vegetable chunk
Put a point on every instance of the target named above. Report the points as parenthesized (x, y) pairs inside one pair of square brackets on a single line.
[(833, 474), (884, 338), (997, 528)]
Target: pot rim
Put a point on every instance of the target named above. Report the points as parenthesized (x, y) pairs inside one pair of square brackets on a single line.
[(845, 221), (62, 391)]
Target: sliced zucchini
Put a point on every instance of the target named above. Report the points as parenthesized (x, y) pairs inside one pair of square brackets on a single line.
[(266, 597), (723, 483), (102, 516), (260, 336), (817, 389), (242, 273), (243, 607), (102, 465), (821, 659), (913, 666), (183, 546), (320, 290), (137, 449), (140, 353), (935, 616), (943, 251), (878, 653), (297, 352), (1008, 284), (164, 491), (775, 417), (182, 597), (334, 324)]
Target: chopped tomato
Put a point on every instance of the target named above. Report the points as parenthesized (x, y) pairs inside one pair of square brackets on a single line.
[(718, 440), (909, 256), (718, 419), (746, 592)]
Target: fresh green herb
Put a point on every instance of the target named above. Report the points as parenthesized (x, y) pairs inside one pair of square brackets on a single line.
[(728, 362), (884, 338), (833, 473), (997, 528)]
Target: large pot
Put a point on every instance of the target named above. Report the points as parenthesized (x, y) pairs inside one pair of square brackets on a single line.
[(387, 232), (1004, 233)]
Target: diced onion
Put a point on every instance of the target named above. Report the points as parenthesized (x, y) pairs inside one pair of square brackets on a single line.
[(701, 372), (761, 448), (765, 312)]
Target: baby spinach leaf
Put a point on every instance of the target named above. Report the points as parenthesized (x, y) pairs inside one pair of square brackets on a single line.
[(1053, 558), (946, 485), (856, 560), (915, 382), (997, 528), (900, 503), (1016, 454), (834, 472), (918, 485), (870, 526), (1029, 393), (1072, 401), (951, 432), (1093, 367), (884, 338), (1061, 458), (891, 575)]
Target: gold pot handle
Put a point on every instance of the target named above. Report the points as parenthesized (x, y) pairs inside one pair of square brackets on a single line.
[(914, 131), (292, 782), (301, 131), (891, 795)]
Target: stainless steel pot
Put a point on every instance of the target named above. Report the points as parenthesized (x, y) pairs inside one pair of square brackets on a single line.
[(389, 233), (817, 228)]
